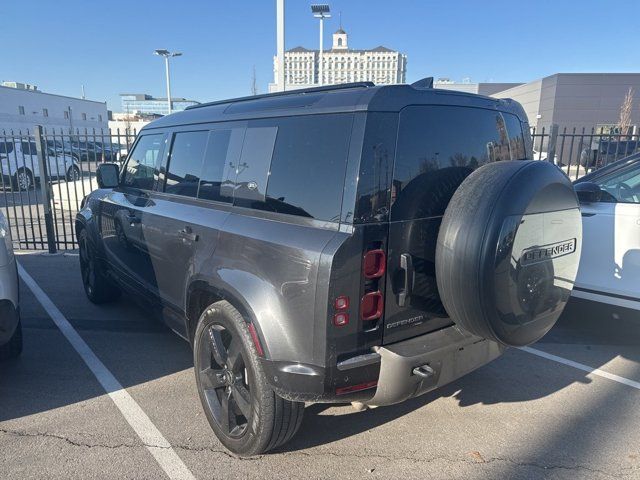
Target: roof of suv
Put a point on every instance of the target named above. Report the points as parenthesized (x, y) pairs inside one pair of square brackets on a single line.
[(355, 97)]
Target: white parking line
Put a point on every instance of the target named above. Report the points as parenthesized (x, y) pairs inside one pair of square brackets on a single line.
[(155, 442), (583, 367)]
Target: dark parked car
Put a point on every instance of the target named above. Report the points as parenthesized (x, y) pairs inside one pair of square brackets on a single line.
[(341, 244)]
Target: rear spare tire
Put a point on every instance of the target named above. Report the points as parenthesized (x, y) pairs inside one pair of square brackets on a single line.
[(508, 251)]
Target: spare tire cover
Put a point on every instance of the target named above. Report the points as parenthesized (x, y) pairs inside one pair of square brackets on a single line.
[(508, 251)]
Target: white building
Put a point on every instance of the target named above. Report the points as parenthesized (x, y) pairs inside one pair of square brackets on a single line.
[(129, 123), (22, 106), (341, 64)]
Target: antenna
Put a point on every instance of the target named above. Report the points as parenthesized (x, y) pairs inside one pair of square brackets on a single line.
[(82, 91), (340, 15)]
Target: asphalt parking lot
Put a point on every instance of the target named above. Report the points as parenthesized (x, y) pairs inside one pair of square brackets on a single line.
[(522, 416)]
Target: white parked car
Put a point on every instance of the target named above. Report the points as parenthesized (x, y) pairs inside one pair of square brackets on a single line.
[(10, 327), (20, 168), (609, 270)]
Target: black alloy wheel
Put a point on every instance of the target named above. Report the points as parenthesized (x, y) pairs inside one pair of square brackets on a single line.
[(225, 382)]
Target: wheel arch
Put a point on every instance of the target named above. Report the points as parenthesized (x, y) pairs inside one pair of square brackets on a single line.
[(202, 292)]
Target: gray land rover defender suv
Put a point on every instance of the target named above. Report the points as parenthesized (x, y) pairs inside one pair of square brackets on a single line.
[(354, 243)]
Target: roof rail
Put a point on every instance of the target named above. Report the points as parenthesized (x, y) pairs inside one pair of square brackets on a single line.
[(324, 88)]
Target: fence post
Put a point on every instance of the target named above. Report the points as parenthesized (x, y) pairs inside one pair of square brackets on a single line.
[(41, 149), (553, 141)]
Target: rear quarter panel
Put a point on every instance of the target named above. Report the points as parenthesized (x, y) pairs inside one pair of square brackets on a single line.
[(272, 268)]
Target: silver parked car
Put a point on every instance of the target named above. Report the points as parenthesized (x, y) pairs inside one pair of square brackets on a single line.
[(10, 327)]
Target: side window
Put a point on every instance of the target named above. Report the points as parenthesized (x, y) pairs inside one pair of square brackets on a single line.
[(308, 166), (253, 166), (516, 137), (623, 187), (142, 164), (29, 148), (438, 147), (185, 163), (376, 166), (219, 170), (6, 148)]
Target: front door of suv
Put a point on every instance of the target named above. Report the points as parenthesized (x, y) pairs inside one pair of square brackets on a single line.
[(437, 148), (124, 212)]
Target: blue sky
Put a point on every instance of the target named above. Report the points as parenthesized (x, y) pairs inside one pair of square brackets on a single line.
[(107, 46)]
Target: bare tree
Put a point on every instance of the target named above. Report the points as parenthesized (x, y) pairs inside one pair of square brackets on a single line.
[(624, 122), (254, 85)]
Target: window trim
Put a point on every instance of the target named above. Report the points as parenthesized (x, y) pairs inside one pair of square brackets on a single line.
[(123, 170)]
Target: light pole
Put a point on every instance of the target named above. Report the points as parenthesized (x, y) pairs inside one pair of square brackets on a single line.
[(280, 44), (167, 54), (320, 11)]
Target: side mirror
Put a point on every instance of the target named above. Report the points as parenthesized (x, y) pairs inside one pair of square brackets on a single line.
[(588, 192), (107, 175)]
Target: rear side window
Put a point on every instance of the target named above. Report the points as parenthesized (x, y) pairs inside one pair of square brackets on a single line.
[(185, 163), (29, 148), (6, 148), (308, 166), (305, 168), (438, 147), (253, 166), (516, 137), (219, 169), (143, 162)]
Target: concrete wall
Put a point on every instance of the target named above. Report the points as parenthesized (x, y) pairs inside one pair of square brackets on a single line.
[(492, 88), (528, 94), (576, 99), (33, 102), (584, 100)]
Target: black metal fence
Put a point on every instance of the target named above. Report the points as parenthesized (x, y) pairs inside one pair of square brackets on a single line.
[(45, 174), (579, 151)]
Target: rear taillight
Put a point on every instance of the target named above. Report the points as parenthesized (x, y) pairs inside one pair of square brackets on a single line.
[(371, 306), (341, 303), (374, 264), (340, 306), (341, 319)]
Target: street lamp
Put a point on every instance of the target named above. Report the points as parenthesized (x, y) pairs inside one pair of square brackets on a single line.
[(167, 54), (320, 11)]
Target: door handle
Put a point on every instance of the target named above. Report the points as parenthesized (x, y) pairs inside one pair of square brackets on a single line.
[(187, 234), (406, 265)]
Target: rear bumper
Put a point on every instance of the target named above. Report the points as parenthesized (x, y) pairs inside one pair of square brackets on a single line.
[(421, 364), (440, 357)]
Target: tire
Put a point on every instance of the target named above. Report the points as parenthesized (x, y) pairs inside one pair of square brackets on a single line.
[(23, 180), (258, 419), (508, 251), (13, 347), (98, 287), (73, 174)]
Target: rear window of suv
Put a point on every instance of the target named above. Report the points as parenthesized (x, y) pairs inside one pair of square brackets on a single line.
[(439, 146)]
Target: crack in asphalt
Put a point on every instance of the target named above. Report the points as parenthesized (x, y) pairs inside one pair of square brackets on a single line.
[(625, 472)]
